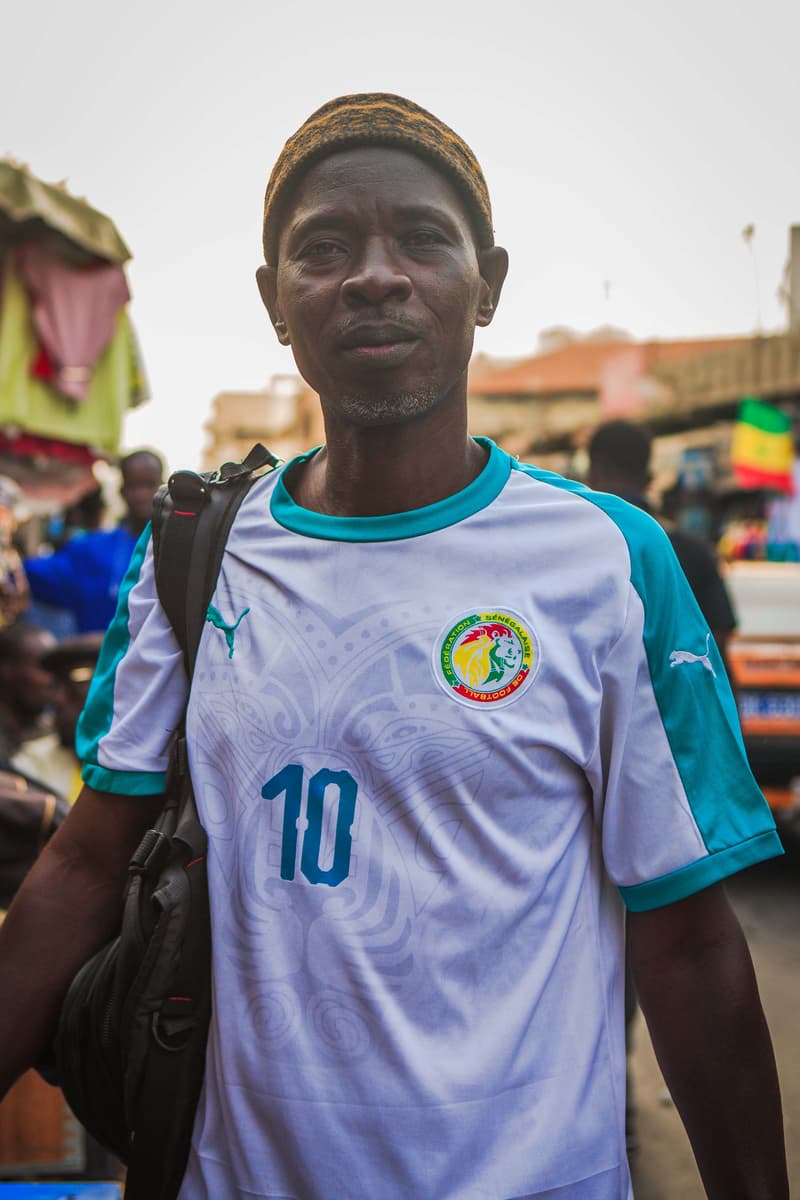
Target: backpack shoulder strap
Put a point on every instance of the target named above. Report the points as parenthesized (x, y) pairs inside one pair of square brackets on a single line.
[(192, 517)]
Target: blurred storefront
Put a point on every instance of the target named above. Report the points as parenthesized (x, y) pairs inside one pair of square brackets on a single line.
[(687, 393)]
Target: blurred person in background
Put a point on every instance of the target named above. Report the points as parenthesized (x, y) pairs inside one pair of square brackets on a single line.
[(14, 594), (52, 758), (27, 688), (619, 463), (85, 574), (82, 517)]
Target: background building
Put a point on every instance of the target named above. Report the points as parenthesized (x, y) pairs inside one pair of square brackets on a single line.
[(285, 416)]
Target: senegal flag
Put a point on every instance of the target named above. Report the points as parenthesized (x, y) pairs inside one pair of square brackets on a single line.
[(762, 452)]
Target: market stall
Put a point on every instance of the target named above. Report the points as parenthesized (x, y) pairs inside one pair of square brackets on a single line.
[(70, 365)]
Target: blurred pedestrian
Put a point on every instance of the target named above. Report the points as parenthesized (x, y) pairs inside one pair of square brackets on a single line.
[(52, 759), (27, 688), (85, 574), (619, 463)]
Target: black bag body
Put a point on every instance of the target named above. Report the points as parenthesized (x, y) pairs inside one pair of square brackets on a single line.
[(131, 1042)]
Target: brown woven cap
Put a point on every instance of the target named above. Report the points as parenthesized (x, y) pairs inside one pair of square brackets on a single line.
[(376, 119)]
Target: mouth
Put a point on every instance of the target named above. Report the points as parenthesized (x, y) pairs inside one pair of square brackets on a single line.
[(378, 342)]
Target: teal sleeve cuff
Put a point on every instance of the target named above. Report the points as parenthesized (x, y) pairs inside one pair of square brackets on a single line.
[(124, 783), (701, 874)]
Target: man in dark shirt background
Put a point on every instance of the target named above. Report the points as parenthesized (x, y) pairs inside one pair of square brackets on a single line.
[(619, 458)]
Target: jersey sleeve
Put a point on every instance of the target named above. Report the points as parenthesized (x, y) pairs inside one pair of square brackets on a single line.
[(138, 691), (675, 799)]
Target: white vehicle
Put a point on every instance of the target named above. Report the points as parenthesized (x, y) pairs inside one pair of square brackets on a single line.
[(765, 661)]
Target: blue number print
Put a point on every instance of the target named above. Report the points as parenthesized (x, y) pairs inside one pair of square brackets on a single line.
[(324, 783), (289, 780)]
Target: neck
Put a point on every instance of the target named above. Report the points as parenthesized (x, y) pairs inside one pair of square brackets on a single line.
[(375, 471), (134, 526)]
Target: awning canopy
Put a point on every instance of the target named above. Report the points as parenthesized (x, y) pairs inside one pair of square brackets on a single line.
[(30, 208)]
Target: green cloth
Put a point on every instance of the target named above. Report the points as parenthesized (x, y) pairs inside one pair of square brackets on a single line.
[(33, 406)]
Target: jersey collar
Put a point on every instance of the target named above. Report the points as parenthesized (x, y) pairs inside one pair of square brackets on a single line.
[(395, 526)]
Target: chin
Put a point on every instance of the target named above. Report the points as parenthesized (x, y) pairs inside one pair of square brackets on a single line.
[(389, 408)]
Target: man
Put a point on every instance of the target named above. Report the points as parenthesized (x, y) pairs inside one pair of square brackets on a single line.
[(414, 866), (27, 687), (619, 462), (84, 576), (52, 758)]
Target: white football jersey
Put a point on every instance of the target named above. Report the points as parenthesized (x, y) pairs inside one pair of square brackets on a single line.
[(434, 752)]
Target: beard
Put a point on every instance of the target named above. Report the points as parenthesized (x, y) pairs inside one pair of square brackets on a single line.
[(387, 408)]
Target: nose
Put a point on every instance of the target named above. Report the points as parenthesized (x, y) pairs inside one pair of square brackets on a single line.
[(376, 275)]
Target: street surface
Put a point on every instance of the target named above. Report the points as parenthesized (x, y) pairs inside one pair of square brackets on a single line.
[(767, 899)]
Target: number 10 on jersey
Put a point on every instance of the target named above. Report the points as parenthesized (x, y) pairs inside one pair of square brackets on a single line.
[(324, 787)]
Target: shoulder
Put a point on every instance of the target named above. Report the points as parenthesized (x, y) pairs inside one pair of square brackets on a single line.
[(646, 544)]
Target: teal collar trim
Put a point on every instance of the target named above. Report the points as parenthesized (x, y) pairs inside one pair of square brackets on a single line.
[(395, 526)]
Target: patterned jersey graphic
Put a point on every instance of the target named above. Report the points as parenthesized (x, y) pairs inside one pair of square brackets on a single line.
[(487, 657)]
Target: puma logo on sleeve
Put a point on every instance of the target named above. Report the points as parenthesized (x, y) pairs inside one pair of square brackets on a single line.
[(678, 657)]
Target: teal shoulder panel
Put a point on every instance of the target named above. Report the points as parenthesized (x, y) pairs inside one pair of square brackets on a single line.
[(677, 885), (98, 713), (395, 526), (697, 708)]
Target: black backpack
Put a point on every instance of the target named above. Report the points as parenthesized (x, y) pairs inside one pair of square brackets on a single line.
[(131, 1042)]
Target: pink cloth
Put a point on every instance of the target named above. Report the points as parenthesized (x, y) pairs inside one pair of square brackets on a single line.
[(75, 311)]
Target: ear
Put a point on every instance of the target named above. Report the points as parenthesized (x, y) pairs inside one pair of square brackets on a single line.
[(493, 266), (267, 280)]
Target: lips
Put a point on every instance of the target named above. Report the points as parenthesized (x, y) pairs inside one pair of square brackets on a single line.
[(376, 336)]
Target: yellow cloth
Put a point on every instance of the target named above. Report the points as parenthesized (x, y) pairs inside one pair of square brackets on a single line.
[(33, 406), (47, 761)]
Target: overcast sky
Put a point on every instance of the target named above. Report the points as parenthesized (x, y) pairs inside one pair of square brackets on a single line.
[(622, 143)]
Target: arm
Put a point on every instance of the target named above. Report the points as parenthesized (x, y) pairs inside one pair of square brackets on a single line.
[(67, 908), (52, 577), (698, 992)]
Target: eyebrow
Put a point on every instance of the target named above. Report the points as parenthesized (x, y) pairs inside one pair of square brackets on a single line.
[(338, 217)]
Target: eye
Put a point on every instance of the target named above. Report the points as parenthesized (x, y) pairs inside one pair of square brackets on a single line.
[(423, 239), (321, 250)]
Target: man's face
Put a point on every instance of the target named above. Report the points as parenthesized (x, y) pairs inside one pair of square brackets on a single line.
[(141, 479), (379, 285), (30, 688)]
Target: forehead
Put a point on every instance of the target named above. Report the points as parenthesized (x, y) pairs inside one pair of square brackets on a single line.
[(141, 469), (350, 180)]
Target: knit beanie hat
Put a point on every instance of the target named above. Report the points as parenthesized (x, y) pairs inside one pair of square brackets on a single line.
[(376, 119)]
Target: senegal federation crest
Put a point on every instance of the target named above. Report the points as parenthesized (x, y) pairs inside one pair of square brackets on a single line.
[(486, 658)]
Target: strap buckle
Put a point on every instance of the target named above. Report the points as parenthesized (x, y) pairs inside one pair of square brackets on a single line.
[(258, 458)]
